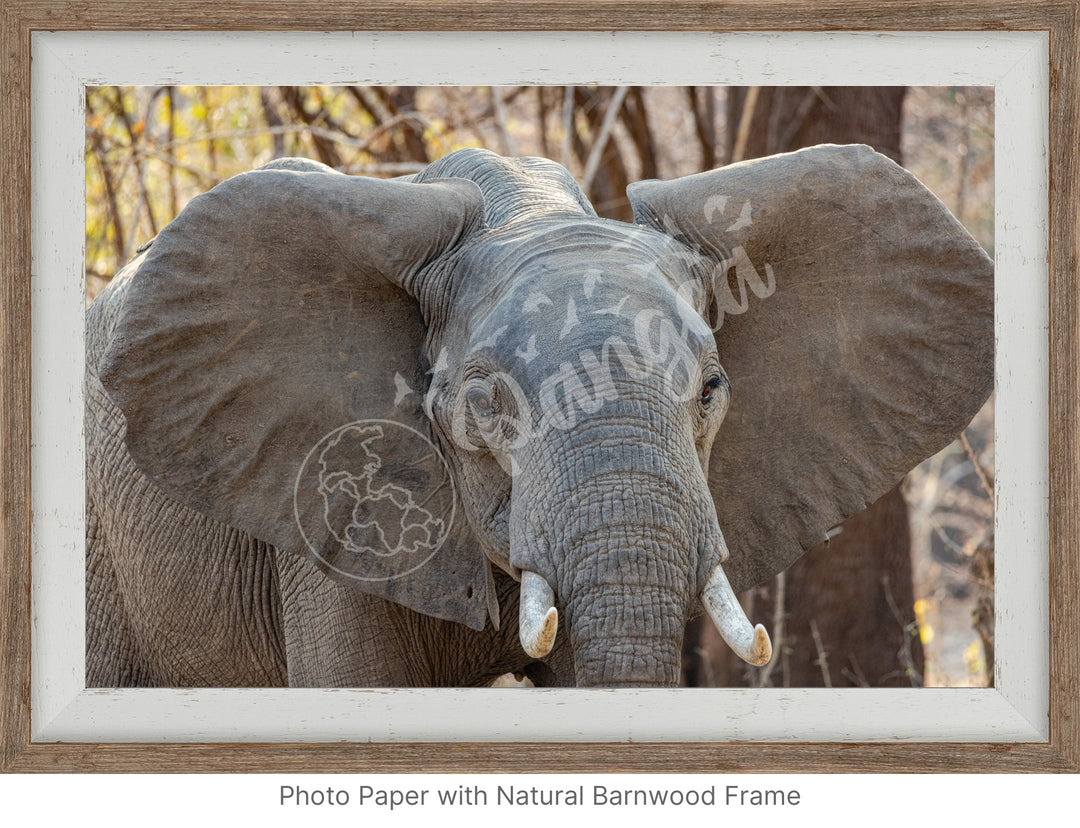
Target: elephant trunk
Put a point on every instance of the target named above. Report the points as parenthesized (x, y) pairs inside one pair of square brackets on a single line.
[(613, 537), (624, 533), (627, 637), (625, 627), (625, 586)]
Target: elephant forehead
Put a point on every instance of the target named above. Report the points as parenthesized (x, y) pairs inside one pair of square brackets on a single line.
[(547, 316), (540, 336), (553, 274), (571, 251)]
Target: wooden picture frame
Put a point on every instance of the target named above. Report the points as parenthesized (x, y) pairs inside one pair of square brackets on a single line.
[(1060, 751)]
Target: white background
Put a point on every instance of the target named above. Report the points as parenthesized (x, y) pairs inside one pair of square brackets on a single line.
[(892, 801), (1016, 710)]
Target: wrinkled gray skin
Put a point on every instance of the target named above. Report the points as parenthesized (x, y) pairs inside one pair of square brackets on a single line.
[(608, 490), (625, 482)]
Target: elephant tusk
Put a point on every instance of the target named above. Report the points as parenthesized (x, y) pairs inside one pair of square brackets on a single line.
[(750, 643), (538, 620)]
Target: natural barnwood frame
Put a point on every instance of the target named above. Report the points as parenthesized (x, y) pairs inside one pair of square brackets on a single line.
[(1061, 18)]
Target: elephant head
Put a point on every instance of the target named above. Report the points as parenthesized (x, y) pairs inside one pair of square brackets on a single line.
[(411, 380)]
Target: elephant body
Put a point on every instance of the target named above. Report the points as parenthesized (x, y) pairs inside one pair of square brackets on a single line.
[(184, 600), (424, 432)]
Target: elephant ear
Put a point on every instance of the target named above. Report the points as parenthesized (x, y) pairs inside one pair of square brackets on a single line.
[(267, 360), (867, 345)]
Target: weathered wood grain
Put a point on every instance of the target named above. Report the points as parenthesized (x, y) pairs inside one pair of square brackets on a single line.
[(18, 18), (1064, 390), (14, 384), (553, 15), (544, 758)]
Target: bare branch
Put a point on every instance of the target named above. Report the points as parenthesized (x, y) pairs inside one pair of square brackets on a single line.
[(134, 143), (363, 144), (703, 108), (206, 178), (600, 144), (779, 601), (170, 101), (985, 479), (399, 100), (854, 674), (813, 95), (776, 114), (324, 148), (568, 126), (910, 628), (542, 119), (273, 120), (742, 134), (635, 117), (823, 658), (111, 206), (211, 146), (498, 107)]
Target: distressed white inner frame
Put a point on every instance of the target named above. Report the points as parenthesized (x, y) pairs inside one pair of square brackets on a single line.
[(1016, 709)]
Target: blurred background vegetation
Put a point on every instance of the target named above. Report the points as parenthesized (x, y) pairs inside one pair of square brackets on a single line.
[(151, 149)]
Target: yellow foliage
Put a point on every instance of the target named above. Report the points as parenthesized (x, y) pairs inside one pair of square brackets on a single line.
[(926, 632), (975, 658)]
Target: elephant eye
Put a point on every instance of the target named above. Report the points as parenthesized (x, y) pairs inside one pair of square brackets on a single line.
[(708, 388), (480, 399)]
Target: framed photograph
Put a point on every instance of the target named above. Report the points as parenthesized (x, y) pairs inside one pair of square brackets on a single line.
[(702, 86)]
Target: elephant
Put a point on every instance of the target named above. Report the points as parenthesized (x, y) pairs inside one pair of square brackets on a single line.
[(344, 431)]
